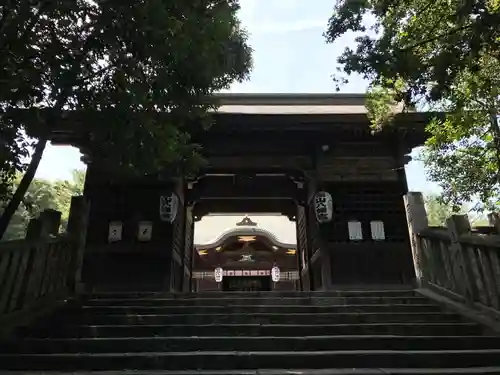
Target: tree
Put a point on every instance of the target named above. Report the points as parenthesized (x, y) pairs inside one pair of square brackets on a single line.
[(424, 43), (120, 64), (41, 195), (437, 211), (463, 152), (443, 56)]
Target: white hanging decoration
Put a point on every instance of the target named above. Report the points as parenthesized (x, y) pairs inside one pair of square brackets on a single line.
[(377, 230), (115, 231), (323, 206), (275, 274), (168, 207), (355, 230), (145, 231), (218, 274)]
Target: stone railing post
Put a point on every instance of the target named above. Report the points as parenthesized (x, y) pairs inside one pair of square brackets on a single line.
[(34, 230), (416, 217), (461, 261), (77, 229), (46, 225), (494, 220), (51, 220)]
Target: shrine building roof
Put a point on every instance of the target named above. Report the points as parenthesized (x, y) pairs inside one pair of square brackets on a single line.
[(246, 227), (306, 103)]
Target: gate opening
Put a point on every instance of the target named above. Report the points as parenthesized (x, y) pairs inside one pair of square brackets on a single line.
[(246, 248)]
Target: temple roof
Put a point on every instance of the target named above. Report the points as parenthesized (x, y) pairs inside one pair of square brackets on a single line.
[(305, 103), (244, 228)]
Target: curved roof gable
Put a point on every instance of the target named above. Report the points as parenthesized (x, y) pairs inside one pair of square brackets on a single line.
[(245, 231)]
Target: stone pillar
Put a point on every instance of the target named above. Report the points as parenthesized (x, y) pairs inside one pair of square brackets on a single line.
[(51, 220), (461, 259), (494, 221), (77, 229), (46, 225), (416, 217)]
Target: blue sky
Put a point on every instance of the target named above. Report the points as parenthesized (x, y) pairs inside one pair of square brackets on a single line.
[(290, 56)]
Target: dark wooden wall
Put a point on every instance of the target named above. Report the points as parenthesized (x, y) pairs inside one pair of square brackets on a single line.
[(129, 263), (368, 261)]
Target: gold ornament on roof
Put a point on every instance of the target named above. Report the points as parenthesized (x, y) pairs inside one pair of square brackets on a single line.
[(247, 222)]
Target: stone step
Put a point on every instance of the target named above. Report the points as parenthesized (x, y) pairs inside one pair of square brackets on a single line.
[(228, 343), (219, 360), (272, 294), (285, 330), (131, 317), (331, 371), (250, 309), (288, 301)]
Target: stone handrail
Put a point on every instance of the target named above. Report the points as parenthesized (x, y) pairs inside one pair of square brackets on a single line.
[(455, 260), (44, 269)]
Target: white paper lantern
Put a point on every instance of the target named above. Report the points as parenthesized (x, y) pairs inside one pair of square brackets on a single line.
[(275, 274), (145, 231), (218, 274), (115, 231), (168, 207), (323, 207)]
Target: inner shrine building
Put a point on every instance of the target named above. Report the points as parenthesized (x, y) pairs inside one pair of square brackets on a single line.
[(246, 255)]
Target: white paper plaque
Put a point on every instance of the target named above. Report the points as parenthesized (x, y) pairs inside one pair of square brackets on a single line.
[(275, 274), (218, 274), (145, 231), (115, 231)]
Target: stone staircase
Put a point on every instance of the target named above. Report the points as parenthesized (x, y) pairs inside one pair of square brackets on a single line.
[(343, 332)]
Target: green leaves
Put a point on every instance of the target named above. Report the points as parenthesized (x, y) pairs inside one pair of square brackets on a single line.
[(137, 72), (440, 55), (425, 43), (41, 195)]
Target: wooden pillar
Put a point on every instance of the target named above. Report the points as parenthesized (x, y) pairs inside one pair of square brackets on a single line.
[(416, 217), (316, 240), (77, 229), (188, 248)]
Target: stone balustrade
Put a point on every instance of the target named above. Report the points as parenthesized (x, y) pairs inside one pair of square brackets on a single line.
[(38, 272), (457, 260)]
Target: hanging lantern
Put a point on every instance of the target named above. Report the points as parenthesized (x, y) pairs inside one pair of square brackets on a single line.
[(218, 274), (168, 207), (323, 206), (275, 274)]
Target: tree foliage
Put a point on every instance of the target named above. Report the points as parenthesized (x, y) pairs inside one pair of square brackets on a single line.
[(424, 43), (121, 64), (41, 195), (438, 211), (437, 55), (463, 152)]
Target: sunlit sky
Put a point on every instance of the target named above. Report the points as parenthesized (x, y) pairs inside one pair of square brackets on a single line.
[(290, 56)]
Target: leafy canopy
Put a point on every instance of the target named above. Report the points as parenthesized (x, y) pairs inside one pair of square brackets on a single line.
[(463, 151), (120, 65), (424, 43), (124, 59), (437, 55)]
